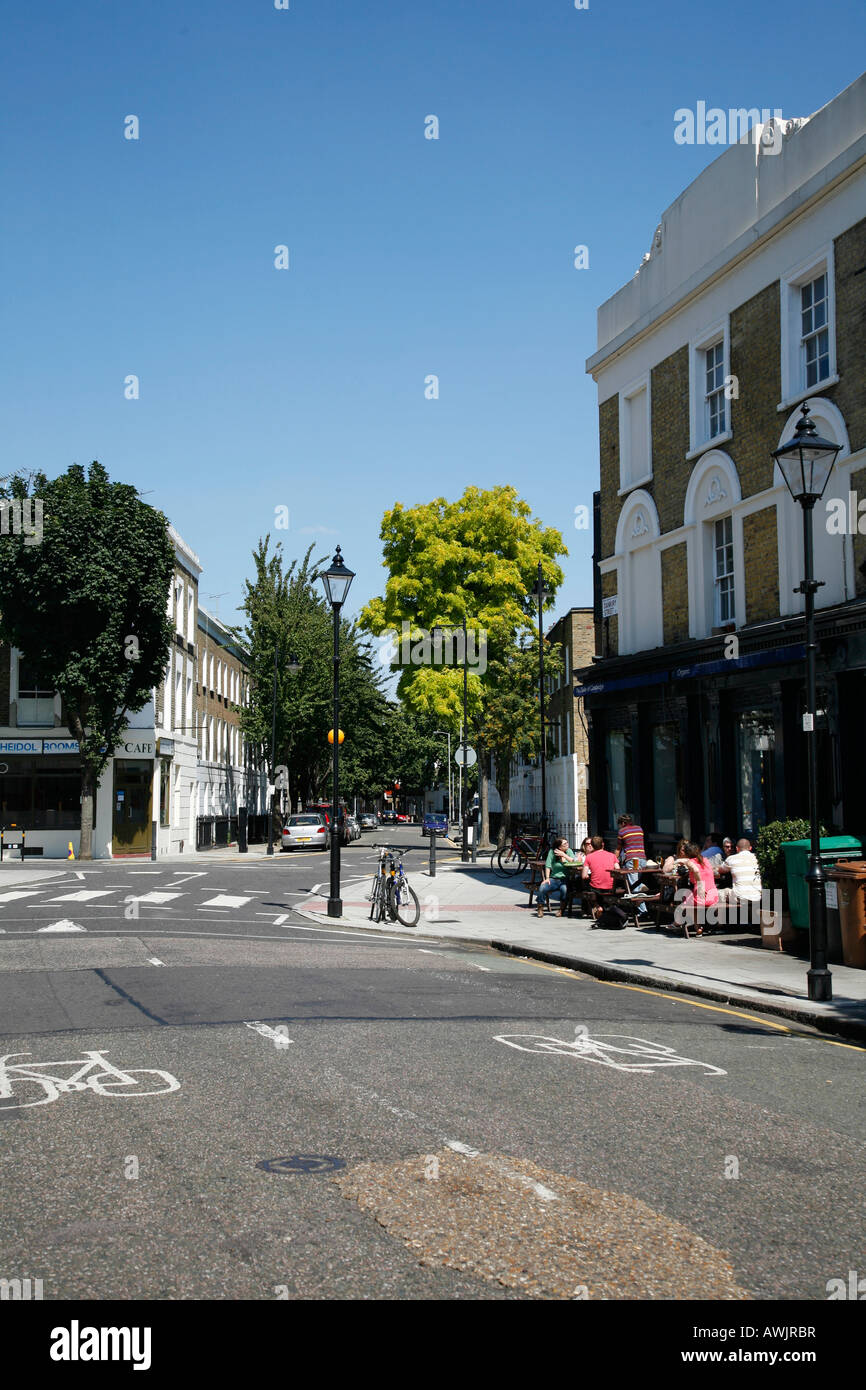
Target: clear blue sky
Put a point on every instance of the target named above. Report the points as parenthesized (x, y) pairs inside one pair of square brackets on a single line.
[(408, 256)]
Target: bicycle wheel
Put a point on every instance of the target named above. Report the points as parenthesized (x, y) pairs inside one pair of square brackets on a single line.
[(403, 904), (376, 900), (511, 862)]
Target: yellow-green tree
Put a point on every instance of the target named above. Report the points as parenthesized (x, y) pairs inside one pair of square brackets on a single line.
[(475, 558)]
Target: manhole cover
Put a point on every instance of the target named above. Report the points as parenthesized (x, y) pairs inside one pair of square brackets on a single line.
[(302, 1163)]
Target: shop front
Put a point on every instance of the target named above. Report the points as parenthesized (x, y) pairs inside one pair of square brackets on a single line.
[(40, 792), (693, 744)]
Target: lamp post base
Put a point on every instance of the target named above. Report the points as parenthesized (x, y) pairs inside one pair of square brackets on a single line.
[(820, 986), (335, 907)]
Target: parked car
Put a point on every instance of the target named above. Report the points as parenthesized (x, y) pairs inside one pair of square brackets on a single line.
[(369, 820), (403, 819), (434, 820), (353, 828), (387, 815), (306, 830)]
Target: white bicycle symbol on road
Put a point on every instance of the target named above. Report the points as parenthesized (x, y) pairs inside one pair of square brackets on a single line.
[(95, 1074), (648, 1056)]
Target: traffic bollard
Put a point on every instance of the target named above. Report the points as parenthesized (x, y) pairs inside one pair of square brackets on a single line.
[(431, 869)]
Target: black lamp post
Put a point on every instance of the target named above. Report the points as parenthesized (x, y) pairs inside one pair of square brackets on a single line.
[(337, 579), (293, 666), (540, 593), (806, 463)]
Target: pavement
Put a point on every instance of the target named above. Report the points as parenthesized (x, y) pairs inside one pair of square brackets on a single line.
[(470, 904)]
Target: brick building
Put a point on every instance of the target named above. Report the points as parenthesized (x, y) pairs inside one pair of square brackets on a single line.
[(567, 763), (751, 301)]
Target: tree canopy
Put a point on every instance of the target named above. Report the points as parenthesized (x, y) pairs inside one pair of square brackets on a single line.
[(86, 606)]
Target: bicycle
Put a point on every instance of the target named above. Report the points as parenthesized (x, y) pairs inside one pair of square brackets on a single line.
[(97, 1075), (512, 859), (392, 896)]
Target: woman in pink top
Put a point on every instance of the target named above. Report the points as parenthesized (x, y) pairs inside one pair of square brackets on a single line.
[(704, 892)]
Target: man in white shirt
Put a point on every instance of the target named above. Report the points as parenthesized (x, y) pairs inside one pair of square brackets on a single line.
[(746, 881)]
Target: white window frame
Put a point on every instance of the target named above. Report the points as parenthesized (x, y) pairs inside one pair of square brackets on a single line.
[(721, 621), (794, 386), (641, 383), (699, 440), (713, 492)]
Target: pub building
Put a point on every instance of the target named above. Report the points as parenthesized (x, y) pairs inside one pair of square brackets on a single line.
[(750, 304)]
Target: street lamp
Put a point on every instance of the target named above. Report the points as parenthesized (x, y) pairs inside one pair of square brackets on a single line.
[(337, 579), (540, 593), (293, 666), (446, 733), (806, 463)]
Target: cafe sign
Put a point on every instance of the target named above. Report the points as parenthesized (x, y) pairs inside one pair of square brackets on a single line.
[(136, 745)]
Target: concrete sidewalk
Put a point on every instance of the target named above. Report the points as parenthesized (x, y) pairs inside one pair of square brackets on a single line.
[(468, 903)]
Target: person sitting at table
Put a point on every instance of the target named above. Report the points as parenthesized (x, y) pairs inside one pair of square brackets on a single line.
[(746, 883), (703, 892), (596, 873), (727, 847), (670, 865), (555, 875), (712, 851)]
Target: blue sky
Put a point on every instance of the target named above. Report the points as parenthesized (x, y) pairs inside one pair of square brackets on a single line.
[(304, 388)]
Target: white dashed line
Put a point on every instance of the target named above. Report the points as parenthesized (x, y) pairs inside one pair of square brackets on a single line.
[(154, 899), (83, 895), (155, 961), (225, 900)]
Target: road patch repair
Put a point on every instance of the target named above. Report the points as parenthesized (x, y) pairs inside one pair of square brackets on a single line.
[(546, 1235)]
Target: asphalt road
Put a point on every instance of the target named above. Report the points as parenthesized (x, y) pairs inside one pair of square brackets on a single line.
[(470, 1126)]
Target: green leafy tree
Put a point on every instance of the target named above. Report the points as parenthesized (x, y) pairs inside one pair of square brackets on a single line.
[(86, 607), (476, 558), (286, 612)]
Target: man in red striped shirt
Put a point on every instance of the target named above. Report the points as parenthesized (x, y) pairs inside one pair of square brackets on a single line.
[(631, 847)]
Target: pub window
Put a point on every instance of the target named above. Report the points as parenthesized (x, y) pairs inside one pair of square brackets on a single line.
[(667, 779), (723, 570), (756, 768), (619, 772)]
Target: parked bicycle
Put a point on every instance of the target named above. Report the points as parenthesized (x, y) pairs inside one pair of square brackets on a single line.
[(513, 859), (392, 897)]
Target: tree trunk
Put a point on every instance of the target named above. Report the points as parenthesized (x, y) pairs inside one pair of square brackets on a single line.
[(87, 806), (503, 786), (484, 782)]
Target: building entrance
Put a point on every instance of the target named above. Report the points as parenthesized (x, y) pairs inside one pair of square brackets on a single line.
[(132, 806)]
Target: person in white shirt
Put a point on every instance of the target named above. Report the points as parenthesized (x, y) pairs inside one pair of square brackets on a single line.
[(745, 876)]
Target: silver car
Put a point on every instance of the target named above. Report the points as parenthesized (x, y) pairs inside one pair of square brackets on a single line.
[(307, 830)]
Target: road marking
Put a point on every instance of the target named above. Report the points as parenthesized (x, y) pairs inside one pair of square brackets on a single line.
[(103, 1079), (64, 925), (79, 873), (545, 1193), (479, 967), (695, 1004), (647, 1056), (154, 899), (82, 896), (281, 1039), (144, 871), (201, 873), (226, 900), (154, 960), (278, 921), (19, 893)]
